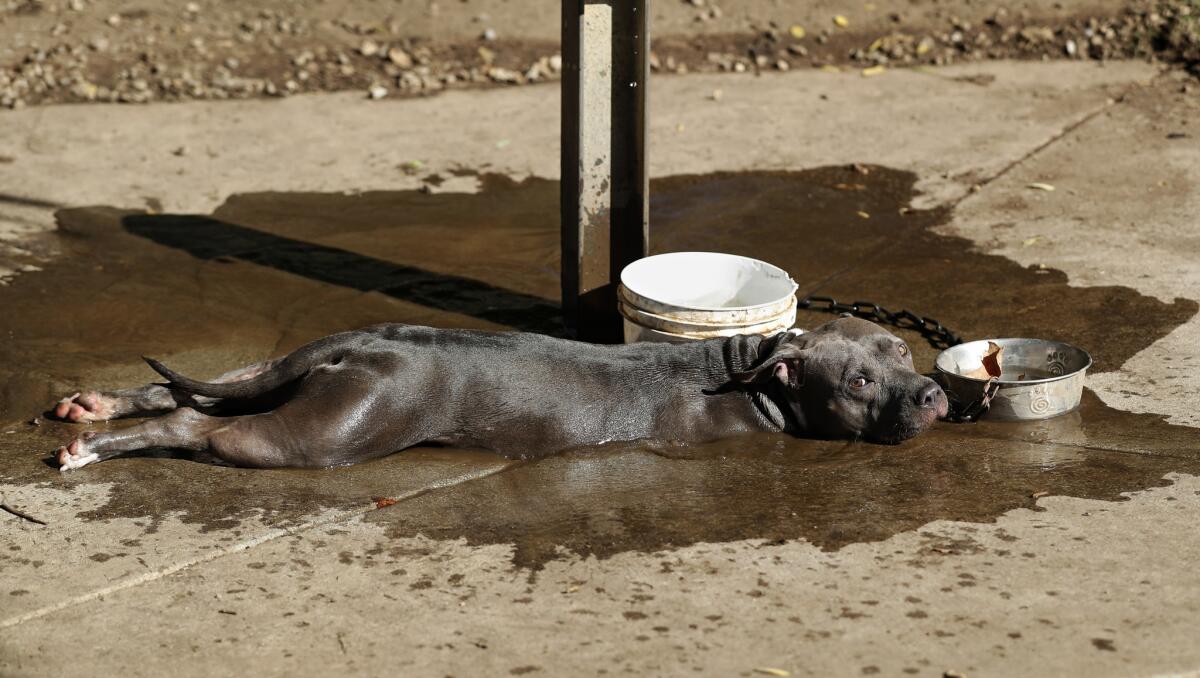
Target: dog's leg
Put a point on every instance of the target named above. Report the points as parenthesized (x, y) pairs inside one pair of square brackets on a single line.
[(340, 414), (141, 400), (184, 428)]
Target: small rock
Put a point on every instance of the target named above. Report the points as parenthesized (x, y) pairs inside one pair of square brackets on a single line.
[(716, 95), (399, 57), (1070, 48), (113, 20), (377, 92), (556, 63), (192, 8), (489, 34), (368, 48), (503, 75), (99, 43)]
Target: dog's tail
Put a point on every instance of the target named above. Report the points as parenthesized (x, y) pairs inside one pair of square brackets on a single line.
[(287, 370)]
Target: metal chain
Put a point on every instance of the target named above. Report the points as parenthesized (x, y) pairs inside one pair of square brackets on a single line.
[(938, 336)]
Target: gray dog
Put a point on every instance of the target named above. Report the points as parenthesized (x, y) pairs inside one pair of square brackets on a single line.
[(365, 394)]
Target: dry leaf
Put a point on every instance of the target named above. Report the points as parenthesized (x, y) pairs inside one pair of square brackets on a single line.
[(1038, 495), (797, 31), (873, 70), (1029, 242), (768, 671), (991, 363), (1041, 187), (841, 21), (863, 214)]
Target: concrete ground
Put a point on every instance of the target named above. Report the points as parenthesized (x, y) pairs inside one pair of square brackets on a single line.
[(430, 563)]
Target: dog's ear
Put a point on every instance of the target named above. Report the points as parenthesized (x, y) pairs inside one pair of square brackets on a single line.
[(785, 363)]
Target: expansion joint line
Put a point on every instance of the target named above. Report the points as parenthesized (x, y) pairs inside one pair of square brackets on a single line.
[(223, 551), (1063, 133)]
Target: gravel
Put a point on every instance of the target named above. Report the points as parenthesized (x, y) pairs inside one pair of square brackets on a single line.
[(194, 52)]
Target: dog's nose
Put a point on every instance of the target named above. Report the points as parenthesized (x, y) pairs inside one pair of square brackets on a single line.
[(931, 396)]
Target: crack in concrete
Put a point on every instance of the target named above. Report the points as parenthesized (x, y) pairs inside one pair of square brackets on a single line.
[(270, 535), (1062, 134)]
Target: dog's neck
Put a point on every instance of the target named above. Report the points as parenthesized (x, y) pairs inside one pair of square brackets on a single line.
[(741, 353)]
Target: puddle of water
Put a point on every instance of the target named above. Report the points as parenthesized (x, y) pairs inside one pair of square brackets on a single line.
[(631, 498), (268, 272)]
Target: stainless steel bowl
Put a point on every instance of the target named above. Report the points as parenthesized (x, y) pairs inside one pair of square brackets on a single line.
[(1039, 379)]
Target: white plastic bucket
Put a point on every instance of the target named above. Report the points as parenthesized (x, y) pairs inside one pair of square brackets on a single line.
[(683, 296)]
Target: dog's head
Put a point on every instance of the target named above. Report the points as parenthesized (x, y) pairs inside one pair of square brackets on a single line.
[(849, 378)]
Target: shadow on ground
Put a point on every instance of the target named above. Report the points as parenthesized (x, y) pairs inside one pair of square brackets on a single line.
[(268, 272)]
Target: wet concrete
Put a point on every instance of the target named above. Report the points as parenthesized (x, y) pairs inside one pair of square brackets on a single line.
[(636, 498), (269, 271)]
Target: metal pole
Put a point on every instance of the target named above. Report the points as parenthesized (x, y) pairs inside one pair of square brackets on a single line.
[(604, 191)]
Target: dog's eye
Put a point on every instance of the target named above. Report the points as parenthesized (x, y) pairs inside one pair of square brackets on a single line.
[(858, 382), (903, 349)]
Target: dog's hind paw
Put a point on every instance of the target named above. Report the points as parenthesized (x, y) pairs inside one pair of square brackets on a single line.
[(85, 407), (75, 454)]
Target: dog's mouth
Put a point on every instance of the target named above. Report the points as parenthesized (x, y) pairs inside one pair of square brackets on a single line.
[(908, 427)]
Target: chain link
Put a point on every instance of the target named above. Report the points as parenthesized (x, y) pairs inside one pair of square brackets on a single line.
[(938, 336)]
